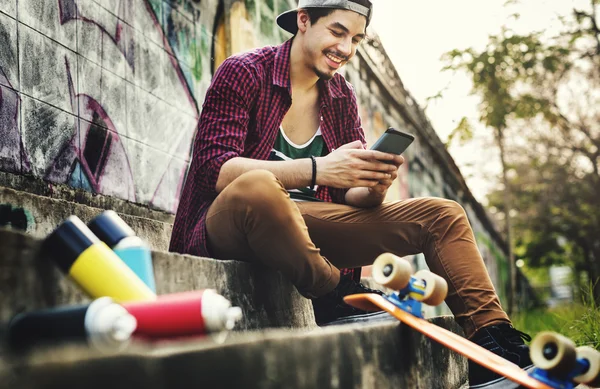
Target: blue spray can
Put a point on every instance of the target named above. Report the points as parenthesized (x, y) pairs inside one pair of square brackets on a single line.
[(136, 254)]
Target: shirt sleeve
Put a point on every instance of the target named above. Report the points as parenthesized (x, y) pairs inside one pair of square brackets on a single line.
[(223, 124), (354, 124)]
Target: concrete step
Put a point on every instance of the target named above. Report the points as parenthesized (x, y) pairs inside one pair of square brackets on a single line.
[(43, 213), (385, 355), (30, 280)]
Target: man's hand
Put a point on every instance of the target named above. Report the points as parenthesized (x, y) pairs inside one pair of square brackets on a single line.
[(383, 185), (371, 196), (351, 166)]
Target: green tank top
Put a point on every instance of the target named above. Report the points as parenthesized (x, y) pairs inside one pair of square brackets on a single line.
[(285, 150)]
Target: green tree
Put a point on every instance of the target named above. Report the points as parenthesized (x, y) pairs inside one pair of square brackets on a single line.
[(544, 93)]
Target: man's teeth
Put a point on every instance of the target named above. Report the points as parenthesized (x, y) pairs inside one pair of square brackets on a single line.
[(334, 59)]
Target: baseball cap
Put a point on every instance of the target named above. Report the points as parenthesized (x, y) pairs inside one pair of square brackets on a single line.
[(288, 20)]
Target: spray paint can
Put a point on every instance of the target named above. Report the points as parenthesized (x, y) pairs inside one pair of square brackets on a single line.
[(93, 265), (103, 324), (181, 314), (136, 254)]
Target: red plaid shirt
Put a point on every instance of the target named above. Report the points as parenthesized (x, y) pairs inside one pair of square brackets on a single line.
[(244, 106)]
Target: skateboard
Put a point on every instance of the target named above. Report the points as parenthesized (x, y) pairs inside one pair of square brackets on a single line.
[(558, 363)]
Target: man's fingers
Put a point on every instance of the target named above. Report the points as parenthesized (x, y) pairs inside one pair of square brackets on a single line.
[(380, 167), (352, 145), (375, 155), (390, 159), (366, 183), (398, 160), (374, 175)]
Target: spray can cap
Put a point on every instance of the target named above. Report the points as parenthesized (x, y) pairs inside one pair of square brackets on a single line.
[(218, 313), (110, 228), (68, 241), (109, 326)]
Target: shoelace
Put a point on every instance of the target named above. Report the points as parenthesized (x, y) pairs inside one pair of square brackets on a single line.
[(364, 289), (515, 336), (358, 287), (354, 287)]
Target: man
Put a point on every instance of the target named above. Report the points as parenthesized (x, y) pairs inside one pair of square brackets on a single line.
[(280, 124)]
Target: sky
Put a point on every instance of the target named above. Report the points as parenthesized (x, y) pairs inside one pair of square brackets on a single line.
[(416, 33)]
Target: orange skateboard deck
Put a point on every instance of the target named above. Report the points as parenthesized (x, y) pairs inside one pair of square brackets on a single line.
[(474, 352)]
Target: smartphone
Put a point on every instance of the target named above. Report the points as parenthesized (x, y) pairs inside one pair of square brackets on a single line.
[(393, 141)]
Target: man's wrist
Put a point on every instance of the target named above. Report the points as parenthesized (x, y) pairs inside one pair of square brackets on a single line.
[(313, 180), (320, 171)]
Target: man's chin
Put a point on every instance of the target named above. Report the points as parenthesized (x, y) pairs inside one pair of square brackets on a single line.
[(324, 75)]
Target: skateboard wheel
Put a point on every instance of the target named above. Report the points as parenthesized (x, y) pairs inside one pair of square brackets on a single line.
[(592, 374), (436, 288), (391, 271), (554, 353)]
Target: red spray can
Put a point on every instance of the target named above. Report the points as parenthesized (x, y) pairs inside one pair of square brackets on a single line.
[(181, 314)]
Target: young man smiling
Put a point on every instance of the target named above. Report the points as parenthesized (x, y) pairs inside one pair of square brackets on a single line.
[(280, 124)]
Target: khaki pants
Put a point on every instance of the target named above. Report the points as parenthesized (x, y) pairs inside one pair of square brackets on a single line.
[(253, 219)]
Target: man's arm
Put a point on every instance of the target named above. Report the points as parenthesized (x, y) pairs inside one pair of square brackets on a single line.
[(223, 123), (293, 174), (347, 167), (364, 197)]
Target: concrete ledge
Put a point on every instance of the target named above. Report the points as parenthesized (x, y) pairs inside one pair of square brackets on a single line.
[(385, 355), (29, 280), (37, 186), (46, 213)]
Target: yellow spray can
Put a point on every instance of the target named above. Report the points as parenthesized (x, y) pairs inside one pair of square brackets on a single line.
[(92, 265)]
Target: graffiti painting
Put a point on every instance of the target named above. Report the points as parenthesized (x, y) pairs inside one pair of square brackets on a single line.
[(109, 99)]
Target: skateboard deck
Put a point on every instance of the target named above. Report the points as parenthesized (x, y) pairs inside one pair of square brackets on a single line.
[(474, 352)]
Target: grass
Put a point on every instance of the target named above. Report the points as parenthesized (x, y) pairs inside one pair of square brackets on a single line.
[(580, 322)]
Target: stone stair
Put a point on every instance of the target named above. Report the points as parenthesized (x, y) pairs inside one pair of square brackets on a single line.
[(277, 344), (45, 213), (386, 355), (29, 280)]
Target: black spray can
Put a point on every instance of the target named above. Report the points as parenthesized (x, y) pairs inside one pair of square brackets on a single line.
[(103, 324)]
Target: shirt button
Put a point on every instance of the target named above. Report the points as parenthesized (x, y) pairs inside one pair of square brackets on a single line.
[(321, 118)]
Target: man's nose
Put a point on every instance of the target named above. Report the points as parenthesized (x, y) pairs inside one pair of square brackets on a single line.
[(345, 47)]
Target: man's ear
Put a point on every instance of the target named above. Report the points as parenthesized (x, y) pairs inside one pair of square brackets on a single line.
[(303, 20)]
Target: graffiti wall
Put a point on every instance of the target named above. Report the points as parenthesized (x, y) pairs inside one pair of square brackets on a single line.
[(104, 95)]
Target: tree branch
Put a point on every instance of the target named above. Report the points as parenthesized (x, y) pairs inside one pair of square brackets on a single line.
[(594, 30)]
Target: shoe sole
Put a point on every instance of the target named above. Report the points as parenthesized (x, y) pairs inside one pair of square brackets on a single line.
[(501, 383)]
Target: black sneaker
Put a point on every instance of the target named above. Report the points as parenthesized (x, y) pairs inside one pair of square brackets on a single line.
[(331, 308), (506, 341)]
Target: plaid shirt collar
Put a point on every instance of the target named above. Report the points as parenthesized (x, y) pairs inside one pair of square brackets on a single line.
[(281, 76)]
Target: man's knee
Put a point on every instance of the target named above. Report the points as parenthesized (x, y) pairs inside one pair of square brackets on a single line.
[(449, 215), (435, 211), (449, 207)]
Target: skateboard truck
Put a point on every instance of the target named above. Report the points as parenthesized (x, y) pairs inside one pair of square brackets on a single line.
[(559, 383), (412, 290), (407, 298), (561, 365)]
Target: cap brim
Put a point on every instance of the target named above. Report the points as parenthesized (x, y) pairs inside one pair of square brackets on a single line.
[(289, 21)]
